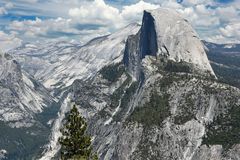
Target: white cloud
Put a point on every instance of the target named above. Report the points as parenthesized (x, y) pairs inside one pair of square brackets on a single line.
[(9, 41), (98, 12), (217, 38), (227, 34), (211, 19), (228, 13), (58, 29), (197, 2), (134, 12), (39, 27), (171, 4), (231, 30), (201, 9)]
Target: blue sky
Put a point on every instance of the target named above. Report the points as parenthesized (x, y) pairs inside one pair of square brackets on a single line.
[(34, 21)]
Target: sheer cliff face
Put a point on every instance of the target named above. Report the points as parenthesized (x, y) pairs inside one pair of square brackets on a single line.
[(164, 33), (148, 38)]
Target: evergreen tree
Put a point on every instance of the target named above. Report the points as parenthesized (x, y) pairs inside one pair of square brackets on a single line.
[(75, 144)]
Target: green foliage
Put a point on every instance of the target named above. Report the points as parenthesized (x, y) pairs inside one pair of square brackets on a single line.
[(187, 111), (48, 113), (177, 67), (225, 129), (169, 78), (210, 89), (75, 144), (112, 72), (229, 75), (23, 143), (223, 58), (153, 112), (229, 71)]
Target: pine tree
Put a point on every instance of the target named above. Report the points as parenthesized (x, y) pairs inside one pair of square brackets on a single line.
[(75, 144)]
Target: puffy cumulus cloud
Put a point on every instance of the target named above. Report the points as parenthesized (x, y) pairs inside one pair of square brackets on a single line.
[(214, 22), (201, 13), (231, 30), (101, 13), (188, 13), (227, 34), (9, 41), (171, 4), (39, 27), (58, 29), (87, 19), (202, 9), (134, 12), (200, 16), (216, 38), (96, 12)]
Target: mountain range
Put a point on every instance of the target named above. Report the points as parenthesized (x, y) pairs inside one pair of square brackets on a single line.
[(147, 92)]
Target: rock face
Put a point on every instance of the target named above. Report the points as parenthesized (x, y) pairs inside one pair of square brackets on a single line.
[(177, 37), (82, 64), (26, 106), (21, 96), (164, 32), (171, 115), (163, 101), (57, 65)]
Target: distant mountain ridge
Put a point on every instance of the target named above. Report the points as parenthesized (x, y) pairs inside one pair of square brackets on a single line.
[(225, 60), (228, 47)]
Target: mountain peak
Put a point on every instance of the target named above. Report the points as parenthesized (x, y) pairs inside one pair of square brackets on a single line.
[(166, 33), (176, 38)]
